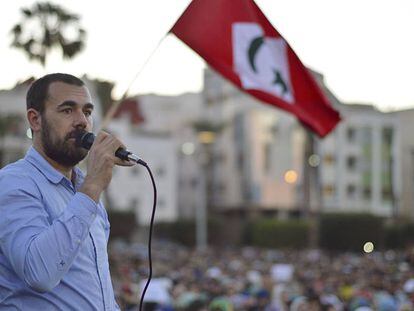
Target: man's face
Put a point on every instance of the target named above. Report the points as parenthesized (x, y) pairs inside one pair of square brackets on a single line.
[(67, 111)]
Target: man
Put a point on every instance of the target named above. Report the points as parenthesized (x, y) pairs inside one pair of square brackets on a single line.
[(53, 229)]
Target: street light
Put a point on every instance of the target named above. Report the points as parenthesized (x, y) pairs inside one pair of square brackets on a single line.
[(291, 176), (188, 148), (314, 160), (206, 137)]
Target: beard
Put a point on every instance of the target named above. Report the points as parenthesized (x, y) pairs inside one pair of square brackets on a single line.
[(62, 151)]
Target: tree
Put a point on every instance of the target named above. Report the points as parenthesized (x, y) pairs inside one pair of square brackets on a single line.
[(46, 26)]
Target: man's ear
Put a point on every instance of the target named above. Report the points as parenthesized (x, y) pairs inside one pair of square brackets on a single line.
[(35, 119)]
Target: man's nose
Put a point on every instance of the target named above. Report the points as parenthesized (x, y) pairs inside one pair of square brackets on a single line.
[(80, 120)]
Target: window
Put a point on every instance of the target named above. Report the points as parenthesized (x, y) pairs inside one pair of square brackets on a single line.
[(194, 182), (328, 159), (386, 194), (221, 187), (387, 164), (365, 165), (366, 192), (267, 157), (240, 161), (350, 134), (210, 99), (351, 162), (328, 190), (220, 157), (351, 191)]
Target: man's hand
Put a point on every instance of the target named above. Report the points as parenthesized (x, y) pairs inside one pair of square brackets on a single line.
[(101, 160)]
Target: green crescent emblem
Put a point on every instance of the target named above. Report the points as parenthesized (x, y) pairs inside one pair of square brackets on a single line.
[(253, 49)]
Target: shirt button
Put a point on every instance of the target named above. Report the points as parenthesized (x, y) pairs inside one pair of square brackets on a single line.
[(79, 241)]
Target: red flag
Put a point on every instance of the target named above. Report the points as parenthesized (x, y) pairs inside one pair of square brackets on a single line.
[(237, 40)]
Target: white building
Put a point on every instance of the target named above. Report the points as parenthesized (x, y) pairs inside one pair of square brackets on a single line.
[(257, 146), (358, 172), (359, 167), (131, 187), (175, 116), (404, 159), (165, 139)]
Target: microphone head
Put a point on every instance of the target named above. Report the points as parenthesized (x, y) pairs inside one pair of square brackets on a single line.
[(85, 139)]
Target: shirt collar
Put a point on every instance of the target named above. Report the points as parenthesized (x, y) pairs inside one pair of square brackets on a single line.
[(78, 176), (52, 174)]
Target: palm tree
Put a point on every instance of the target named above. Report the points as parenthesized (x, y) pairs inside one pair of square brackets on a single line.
[(44, 27)]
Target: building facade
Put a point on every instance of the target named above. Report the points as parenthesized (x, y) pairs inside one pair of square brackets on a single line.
[(254, 152), (165, 139), (356, 168)]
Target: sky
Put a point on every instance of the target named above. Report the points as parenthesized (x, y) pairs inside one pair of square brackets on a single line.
[(364, 49)]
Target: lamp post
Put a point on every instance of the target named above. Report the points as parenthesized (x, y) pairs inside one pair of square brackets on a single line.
[(203, 157), (311, 190), (201, 217), (206, 139)]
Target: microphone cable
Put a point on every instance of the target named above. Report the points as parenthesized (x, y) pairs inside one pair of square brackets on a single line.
[(85, 140), (150, 233)]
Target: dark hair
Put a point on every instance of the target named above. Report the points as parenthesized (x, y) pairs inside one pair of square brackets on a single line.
[(38, 91)]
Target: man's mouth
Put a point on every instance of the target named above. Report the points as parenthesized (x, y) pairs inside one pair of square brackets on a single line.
[(71, 140), (73, 135)]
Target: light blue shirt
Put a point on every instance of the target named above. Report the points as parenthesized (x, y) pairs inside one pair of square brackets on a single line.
[(53, 241)]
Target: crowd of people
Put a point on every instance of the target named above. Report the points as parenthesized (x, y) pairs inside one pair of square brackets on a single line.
[(256, 279)]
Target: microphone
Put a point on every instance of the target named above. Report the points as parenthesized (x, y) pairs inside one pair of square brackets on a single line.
[(86, 139)]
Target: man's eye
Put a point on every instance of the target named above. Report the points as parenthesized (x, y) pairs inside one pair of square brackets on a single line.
[(67, 110), (88, 113)]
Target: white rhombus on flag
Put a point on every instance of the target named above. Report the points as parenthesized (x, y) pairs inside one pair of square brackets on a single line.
[(260, 61)]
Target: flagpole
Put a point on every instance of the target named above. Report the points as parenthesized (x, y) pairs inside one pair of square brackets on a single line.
[(112, 109), (109, 115)]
